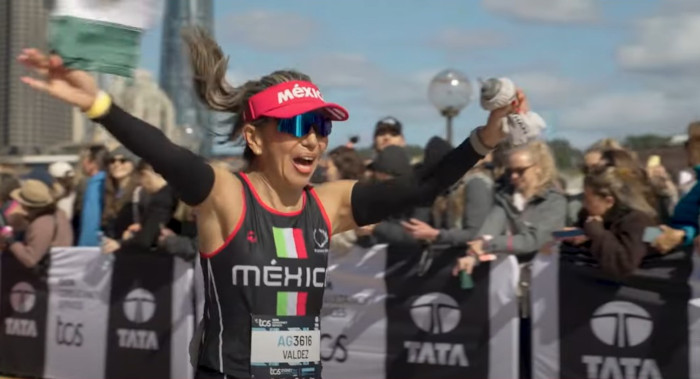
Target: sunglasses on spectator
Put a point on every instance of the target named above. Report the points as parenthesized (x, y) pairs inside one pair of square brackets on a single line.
[(519, 170), (300, 125), (118, 159)]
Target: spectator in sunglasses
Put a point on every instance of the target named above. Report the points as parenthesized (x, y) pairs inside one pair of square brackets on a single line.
[(123, 195), (528, 209)]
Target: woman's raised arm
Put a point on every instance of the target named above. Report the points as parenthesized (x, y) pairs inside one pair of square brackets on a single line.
[(186, 171)]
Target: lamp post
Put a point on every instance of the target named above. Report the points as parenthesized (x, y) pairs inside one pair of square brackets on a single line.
[(450, 91)]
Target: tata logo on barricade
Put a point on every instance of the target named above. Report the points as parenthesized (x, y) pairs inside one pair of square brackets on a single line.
[(22, 301), (436, 313), (139, 307), (623, 325)]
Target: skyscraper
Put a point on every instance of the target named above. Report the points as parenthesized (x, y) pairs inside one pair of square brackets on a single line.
[(175, 72), (28, 119)]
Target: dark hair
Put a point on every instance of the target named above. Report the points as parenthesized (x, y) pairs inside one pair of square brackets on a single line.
[(209, 67), (348, 162), (114, 204), (98, 154)]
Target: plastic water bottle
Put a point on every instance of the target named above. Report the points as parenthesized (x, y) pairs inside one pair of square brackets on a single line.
[(465, 280)]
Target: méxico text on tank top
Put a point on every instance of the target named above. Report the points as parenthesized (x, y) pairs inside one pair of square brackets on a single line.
[(274, 264)]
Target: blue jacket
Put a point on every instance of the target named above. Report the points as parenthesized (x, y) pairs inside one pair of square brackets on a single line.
[(685, 215), (91, 216)]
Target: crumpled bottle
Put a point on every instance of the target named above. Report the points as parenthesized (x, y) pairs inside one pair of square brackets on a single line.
[(521, 128)]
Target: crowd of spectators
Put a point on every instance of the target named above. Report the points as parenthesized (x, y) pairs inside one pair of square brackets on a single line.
[(511, 202)]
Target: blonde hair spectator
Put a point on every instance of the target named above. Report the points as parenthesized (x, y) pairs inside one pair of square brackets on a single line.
[(542, 158)]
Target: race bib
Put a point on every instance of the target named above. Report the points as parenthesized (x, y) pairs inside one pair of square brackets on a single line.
[(285, 347)]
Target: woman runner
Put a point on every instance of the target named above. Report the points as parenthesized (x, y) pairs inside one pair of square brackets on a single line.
[(263, 234)]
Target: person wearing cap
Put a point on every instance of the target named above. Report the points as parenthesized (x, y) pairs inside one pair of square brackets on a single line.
[(266, 219), (387, 132), (64, 174), (392, 162), (47, 225)]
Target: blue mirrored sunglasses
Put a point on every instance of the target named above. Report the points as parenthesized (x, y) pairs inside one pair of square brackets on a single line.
[(301, 125)]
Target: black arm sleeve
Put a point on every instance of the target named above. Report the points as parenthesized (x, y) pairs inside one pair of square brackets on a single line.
[(373, 202), (186, 171)]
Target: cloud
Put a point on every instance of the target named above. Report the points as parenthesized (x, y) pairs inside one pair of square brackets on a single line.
[(620, 114), (675, 6), (664, 43), (342, 70), (547, 90), (456, 39), (267, 30), (549, 11)]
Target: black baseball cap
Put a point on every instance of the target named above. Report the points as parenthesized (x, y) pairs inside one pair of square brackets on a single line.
[(387, 125)]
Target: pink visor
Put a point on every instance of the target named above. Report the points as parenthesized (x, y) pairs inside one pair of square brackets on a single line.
[(289, 99)]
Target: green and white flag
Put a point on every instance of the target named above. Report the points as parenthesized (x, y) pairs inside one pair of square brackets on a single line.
[(101, 35)]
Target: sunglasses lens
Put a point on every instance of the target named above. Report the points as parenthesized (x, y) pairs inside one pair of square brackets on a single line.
[(301, 125)]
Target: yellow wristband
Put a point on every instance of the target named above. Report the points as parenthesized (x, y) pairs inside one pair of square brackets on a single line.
[(101, 105)]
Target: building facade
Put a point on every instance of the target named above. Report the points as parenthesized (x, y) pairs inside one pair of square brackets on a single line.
[(175, 73), (29, 120)]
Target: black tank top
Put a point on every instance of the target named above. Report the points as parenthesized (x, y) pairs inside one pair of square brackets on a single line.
[(273, 263)]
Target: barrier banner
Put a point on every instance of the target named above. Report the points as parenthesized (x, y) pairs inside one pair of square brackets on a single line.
[(353, 322), (93, 315), (138, 343), (23, 310), (79, 283), (405, 316), (587, 325)]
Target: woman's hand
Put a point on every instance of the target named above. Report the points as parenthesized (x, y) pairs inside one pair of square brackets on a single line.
[(75, 87), (165, 233), (420, 230), (464, 264), (130, 231), (109, 245), (669, 239), (476, 248)]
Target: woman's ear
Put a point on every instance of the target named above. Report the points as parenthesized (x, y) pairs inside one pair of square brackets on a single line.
[(253, 139)]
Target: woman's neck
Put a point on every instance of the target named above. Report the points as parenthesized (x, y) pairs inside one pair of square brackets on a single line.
[(276, 193), (123, 182), (528, 193)]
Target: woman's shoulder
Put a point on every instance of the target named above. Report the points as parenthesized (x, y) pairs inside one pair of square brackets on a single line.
[(639, 217)]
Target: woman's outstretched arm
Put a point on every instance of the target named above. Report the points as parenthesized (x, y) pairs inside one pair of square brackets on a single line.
[(187, 172), (350, 204)]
